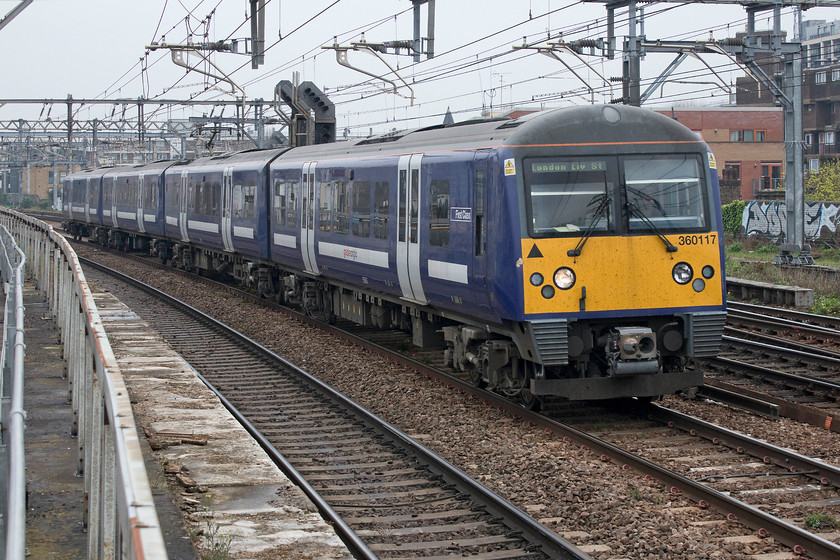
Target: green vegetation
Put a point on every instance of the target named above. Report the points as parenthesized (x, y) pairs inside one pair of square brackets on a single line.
[(820, 521), (211, 542), (636, 494), (733, 216), (825, 185)]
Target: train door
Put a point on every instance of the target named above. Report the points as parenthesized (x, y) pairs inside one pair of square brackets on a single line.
[(307, 220), (183, 199), (88, 198), (481, 180), (227, 208), (408, 228), (141, 212), (114, 187)]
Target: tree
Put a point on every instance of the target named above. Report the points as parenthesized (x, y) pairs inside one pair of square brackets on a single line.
[(825, 185)]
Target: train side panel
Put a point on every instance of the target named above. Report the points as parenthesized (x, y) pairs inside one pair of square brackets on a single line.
[(448, 237)]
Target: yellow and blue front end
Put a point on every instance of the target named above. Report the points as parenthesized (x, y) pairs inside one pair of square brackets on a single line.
[(621, 266)]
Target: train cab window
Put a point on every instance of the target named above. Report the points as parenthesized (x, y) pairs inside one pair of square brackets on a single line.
[(361, 208), (381, 205), (279, 202), (325, 210), (665, 191), (342, 207), (569, 196), (439, 213)]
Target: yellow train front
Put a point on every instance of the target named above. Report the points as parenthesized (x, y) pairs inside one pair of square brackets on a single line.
[(619, 266)]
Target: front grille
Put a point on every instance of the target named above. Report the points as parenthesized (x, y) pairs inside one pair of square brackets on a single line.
[(551, 339)]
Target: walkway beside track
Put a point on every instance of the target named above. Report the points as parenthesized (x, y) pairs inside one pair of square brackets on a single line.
[(209, 478), (231, 494), (55, 495)]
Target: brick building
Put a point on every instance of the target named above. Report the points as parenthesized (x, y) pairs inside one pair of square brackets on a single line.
[(748, 144)]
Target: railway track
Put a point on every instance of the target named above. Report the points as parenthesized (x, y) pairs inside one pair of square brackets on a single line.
[(388, 496), (791, 363), (702, 493), (766, 486)]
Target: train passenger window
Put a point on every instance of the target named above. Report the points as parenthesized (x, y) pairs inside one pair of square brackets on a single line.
[(291, 202), (439, 213), (381, 205), (342, 207), (249, 202), (150, 194), (361, 208), (171, 190), (569, 196), (205, 199), (192, 192), (325, 209), (215, 195), (92, 194), (666, 191), (279, 202), (107, 194)]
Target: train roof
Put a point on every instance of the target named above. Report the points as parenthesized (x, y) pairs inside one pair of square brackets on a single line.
[(578, 125)]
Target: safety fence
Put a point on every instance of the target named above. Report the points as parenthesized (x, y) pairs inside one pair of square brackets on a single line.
[(12, 415), (120, 516)]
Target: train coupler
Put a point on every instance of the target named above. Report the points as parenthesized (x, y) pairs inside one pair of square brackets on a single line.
[(632, 351)]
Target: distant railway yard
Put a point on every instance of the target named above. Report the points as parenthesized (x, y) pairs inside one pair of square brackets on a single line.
[(749, 467)]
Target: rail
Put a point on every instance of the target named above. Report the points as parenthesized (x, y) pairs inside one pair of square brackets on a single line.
[(12, 414), (120, 516)]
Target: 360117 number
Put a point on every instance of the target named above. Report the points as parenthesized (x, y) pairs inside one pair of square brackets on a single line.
[(707, 239)]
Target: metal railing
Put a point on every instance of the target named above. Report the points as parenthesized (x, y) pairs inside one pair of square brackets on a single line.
[(12, 415), (120, 515)]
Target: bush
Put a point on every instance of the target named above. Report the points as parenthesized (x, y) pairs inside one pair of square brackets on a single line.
[(733, 214), (826, 305)]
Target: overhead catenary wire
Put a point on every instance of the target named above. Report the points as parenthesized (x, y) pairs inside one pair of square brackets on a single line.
[(427, 72)]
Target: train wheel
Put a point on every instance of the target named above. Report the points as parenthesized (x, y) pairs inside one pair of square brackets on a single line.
[(530, 400), (477, 377)]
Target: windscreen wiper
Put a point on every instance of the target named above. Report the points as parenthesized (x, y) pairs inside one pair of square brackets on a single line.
[(587, 233), (633, 209)]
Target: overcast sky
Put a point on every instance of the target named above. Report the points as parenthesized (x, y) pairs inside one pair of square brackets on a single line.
[(93, 49)]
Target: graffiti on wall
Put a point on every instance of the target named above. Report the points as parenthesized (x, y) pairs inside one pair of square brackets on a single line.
[(769, 219)]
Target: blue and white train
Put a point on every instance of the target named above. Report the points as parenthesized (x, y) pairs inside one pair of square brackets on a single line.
[(576, 252)]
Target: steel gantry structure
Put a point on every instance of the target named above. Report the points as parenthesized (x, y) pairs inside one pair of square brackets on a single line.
[(745, 51)]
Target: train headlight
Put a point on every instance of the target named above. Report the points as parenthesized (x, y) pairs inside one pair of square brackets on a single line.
[(537, 279), (564, 278), (682, 273), (547, 291), (699, 285), (708, 272)]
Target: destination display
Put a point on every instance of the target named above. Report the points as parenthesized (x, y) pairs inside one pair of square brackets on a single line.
[(568, 166)]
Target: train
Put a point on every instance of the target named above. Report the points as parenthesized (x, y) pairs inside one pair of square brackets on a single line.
[(575, 252)]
